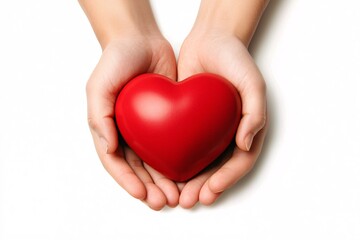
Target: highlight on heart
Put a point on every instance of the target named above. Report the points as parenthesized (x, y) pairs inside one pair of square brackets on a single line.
[(178, 128)]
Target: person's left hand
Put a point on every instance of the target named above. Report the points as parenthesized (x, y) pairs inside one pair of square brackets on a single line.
[(224, 54)]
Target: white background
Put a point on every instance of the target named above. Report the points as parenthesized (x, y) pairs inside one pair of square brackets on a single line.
[(305, 185)]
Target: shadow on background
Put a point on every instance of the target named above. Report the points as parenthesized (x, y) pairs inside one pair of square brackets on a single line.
[(264, 27), (259, 39)]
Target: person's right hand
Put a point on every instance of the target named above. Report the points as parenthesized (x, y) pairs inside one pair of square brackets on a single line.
[(123, 59)]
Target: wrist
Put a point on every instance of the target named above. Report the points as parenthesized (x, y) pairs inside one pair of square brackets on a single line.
[(231, 17), (112, 20), (131, 30)]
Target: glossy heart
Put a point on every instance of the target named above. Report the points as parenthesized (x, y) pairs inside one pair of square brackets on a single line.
[(178, 128)]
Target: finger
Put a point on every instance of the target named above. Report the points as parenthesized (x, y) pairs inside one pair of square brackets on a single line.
[(238, 165), (167, 186), (155, 198), (105, 130), (191, 192), (116, 165), (253, 95), (208, 197)]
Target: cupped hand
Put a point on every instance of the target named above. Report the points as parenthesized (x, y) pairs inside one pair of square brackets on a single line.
[(122, 59), (224, 54)]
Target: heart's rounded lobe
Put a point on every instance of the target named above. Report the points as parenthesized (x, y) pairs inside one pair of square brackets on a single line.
[(178, 128)]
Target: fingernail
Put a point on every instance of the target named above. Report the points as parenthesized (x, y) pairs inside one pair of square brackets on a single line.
[(104, 143), (248, 141)]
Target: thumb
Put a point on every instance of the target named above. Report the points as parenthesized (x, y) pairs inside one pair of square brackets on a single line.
[(101, 119), (109, 76), (253, 96), (101, 91), (242, 71)]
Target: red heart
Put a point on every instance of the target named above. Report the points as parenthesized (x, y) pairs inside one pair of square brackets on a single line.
[(178, 128)]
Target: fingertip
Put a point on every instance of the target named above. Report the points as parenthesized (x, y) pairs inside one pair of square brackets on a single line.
[(168, 187), (107, 147), (244, 143), (228, 174), (172, 198), (105, 131), (240, 142), (155, 198), (134, 187), (112, 147), (207, 196), (173, 204), (214, 186), (189, 196), (250, 125), (187, 201), (138, 193), (110, 133), (171, 193)]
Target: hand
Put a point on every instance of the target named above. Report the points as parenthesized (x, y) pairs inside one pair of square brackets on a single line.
[(223, 53), (132, 44), (123, 59)]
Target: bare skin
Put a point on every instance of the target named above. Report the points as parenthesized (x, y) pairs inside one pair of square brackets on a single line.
[(132, 44)]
